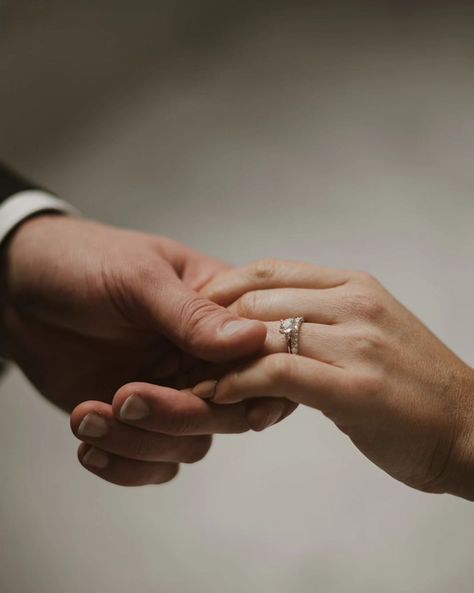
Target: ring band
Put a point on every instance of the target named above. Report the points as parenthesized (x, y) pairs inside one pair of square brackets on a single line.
[(290, 328)]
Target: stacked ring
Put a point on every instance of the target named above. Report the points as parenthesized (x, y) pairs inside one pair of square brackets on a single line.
[(290, 328)]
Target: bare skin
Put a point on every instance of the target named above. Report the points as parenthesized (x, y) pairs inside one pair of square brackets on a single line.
[(404, 399), (87, 308)]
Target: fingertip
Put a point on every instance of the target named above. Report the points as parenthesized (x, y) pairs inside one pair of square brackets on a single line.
[(84, 408), (82, 450), (136, 389), (205, 389)]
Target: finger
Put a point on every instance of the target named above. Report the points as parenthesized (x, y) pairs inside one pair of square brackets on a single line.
[(228, 286), (326, 343), (193, 323), (173, 412), (125, 472), (296, 378), (262, 415), (315, 305), (93, 422)]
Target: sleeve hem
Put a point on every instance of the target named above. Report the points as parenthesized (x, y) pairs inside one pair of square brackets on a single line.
[(24, 204)]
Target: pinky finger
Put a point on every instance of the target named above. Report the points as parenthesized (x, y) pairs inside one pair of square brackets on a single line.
[(125, 472)]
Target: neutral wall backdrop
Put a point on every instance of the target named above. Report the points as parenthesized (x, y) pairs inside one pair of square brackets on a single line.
[(338, 134)]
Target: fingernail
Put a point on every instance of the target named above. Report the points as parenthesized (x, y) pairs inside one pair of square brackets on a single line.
[(134, 408), (237, 326), (268, 417), (205, 390), (92, 426), (96, 458)]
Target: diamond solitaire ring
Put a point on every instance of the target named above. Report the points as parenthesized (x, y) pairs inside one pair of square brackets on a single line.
[(290, 328)]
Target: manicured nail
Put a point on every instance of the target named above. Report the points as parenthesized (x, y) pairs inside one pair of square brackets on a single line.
[(96, 458), (206, 389), (92, 426), (134, 408), (237, 326), (268, 417)]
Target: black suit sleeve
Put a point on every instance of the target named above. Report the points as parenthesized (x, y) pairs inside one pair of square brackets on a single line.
[(12, 183)]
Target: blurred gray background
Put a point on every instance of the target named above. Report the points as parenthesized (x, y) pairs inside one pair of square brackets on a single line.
[(337, 133)]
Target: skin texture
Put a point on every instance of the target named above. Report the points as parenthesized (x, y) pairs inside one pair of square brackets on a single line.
[(403, 398), (87, 308)]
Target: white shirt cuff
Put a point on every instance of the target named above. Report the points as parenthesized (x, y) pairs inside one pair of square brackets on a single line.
[(26, 203)]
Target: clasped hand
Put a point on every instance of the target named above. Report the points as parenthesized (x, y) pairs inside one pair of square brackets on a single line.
[(157, 347), (368, 364)]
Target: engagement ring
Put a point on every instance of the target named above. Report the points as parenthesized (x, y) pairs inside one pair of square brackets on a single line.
[(290, 328)]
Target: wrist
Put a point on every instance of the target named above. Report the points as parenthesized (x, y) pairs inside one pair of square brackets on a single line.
[(12, 268), (460, 473)]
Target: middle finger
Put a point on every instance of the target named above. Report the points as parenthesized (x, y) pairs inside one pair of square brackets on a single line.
[(316, 306)]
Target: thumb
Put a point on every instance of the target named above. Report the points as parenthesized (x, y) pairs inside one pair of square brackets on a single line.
[(197, 325)]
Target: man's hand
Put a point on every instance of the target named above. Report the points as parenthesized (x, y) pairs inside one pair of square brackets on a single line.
[(88, 308), (148, 430)]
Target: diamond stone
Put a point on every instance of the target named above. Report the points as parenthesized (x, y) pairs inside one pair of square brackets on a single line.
[(288, 325), (290, 328)]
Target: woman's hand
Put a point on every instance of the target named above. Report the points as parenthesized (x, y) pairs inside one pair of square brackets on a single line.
[(405, 400)]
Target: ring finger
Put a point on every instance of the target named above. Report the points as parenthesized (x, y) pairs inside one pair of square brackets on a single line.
[(315, 305), (325, 343)]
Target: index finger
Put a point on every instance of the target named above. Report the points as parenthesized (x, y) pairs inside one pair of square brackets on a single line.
[(176, 412), (228, 286)]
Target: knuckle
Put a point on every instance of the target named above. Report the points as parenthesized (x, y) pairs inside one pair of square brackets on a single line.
[(248, 303), (366, 305), (164, 245), (279, 367), (230, 384), (177, 423), (365, 278), (193, 315), (264, 269), (142, 448), (367, 342)]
